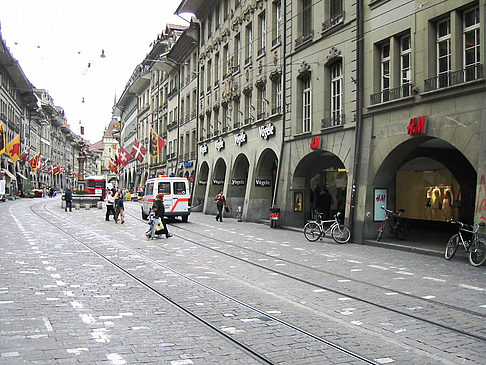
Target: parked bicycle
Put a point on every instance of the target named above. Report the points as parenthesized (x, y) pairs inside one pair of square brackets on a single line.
[(475, 247), (393, 223), (318, 228)]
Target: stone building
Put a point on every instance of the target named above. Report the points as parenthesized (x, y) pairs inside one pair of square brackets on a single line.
[(423, 146)]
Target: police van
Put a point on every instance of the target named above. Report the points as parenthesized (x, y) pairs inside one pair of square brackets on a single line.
[(176, 196)]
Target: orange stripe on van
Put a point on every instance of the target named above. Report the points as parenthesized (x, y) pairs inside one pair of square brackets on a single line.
[(177, 202)]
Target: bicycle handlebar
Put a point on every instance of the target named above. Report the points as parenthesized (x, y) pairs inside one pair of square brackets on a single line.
[(392, 212), (468, 226)]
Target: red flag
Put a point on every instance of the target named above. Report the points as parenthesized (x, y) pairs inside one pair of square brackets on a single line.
[(124, 156), (156, 143), (138, 151), (24, 156), (34, 162), (51, 169)]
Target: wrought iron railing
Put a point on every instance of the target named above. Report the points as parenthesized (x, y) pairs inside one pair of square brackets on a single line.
[(304, 38), (333, 21), (391, 94), (332, 121), (470, 73)]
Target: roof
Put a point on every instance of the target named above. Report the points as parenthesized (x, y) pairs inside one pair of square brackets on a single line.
[(98, 146), (109, 130)]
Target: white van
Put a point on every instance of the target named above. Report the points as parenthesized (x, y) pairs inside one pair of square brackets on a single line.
[(176, 196)]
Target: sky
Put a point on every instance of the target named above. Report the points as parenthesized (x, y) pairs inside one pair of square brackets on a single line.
[(58, 44)]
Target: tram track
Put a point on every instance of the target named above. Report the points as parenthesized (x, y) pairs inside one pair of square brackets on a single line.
[(240, 344), (475, 317)]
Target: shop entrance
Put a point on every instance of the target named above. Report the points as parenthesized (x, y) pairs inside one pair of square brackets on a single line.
[(238, 182), (200, 186), (433, 182), (320, 182)]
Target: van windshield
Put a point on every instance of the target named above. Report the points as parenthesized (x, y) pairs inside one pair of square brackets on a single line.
[(164, 188), (179, 188), (150, 189)]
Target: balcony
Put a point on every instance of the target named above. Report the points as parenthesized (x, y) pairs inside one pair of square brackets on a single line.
[(453, 78), (333, 121), (261, 52), (332, 22), (248, 61), (225, 129), (277, 110), (391, 94), (261, 116), (304, 38), (172, 93), (276, 41), (236, 125), (248, 121), (172, 125), (193, 155)]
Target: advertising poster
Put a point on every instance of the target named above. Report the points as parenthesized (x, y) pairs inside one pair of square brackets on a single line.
[(381, 200)]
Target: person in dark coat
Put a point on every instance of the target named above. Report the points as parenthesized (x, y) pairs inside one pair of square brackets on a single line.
[(220, 201), (68, 197), (159, 211)]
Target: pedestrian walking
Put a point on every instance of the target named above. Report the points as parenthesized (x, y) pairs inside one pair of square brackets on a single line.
[(159, 211), (119, 207), (110, 201), (220, 201), (68, 197)]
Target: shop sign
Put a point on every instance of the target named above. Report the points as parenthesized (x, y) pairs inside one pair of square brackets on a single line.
[(202, 182), (203, 149), (417, 126), (380, 200), (188, 164), (263, 182), (238, 182), (267, 130), (218, 181), (219, 145), (240, 138), (315, 143)]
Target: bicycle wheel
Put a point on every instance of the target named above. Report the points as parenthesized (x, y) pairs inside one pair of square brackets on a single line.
[(380, 232), (477, 253), (451, 247), (402, 231), (312, 231), (340, 233)]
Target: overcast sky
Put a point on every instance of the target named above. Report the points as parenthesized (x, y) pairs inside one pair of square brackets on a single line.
[(55, 40)]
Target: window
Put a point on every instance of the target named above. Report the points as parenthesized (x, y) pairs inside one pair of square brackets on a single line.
[(149, 190), (385, 70), (237, 55), (405, 71), (471, 44), (208, 76), (262, 26), (262, 102), (306, 17), (443, 52), (306, 104), (237, 114), (335, 8), (249, 43), (277, 22), (248, 108), (336, 93), (225, 61), (179, 188), (210, 24), (202, 79), (216, 69), (163, 187), (277, 95)]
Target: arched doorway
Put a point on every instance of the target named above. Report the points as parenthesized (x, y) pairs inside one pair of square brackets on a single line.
[(238, 182), (263, 185), (217, 179), (432, 181), (320, 180), (200, 186)]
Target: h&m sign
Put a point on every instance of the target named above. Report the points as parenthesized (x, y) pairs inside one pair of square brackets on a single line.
[(417, 126), (315, 143)]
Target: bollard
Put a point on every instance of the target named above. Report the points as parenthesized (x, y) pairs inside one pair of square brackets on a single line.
[(87, 206), (99, 205), (77, 206)]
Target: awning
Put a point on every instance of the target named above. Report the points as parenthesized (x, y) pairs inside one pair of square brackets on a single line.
[(22, 176), (9, 174)]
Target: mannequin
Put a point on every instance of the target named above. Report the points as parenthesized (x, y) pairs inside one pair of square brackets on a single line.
[(436, 203), (447, 202)]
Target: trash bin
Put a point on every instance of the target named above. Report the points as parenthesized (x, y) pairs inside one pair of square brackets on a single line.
[(274, 217), (239, 213)]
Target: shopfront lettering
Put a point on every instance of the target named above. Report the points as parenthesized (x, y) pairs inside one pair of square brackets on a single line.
[(219, 145), (218, 182), (240, 138), (417, 126), (263, 182), (315, 143), (203, 149), (202, 182), (188, 163), (238, 182), (380, 197), (267, 130)]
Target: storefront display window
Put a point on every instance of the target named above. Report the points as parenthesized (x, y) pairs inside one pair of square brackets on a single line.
[(298, 201)]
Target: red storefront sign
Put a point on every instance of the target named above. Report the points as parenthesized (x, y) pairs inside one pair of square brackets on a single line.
[(315, 143), (417, 126)]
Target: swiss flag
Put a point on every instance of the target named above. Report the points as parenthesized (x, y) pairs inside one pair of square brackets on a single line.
[(124, 156), (138, 151)]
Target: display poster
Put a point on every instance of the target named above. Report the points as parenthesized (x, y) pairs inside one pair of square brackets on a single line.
[(2, 187), (381, 200), (298, 201)]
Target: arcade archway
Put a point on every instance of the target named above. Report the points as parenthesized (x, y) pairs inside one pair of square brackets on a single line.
[(200, 185), (238, 181)]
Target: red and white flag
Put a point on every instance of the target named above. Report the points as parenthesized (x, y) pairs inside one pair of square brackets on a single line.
[(138, 151), (124, 156)]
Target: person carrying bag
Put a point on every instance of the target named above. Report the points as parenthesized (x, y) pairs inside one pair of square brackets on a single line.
[(220, 201)]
